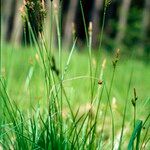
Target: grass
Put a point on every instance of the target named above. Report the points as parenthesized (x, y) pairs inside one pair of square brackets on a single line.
[(14, 59), (72, 100), (30, 97)]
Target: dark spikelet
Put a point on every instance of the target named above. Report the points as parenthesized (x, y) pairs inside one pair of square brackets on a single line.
[(135, 98), (117, 55), (34, 12), (133, 102), (53, 66), (100, 82)]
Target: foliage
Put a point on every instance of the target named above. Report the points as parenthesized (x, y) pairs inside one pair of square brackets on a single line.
[(42, 94)]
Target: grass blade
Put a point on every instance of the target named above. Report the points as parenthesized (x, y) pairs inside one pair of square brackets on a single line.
[(135, 134)]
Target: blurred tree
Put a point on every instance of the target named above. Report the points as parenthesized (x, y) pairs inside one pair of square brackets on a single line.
[(96, 21), (4, 17), (10, 22), (81, 26), (110, 29), (119, 22), (69, 20), (146, 26), (18, 25), (122, 20)]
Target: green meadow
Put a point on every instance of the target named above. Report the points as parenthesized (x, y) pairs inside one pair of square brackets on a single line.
[(75, 76), (24, 80)]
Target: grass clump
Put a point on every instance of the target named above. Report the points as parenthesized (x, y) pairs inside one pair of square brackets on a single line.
[(56, 121)]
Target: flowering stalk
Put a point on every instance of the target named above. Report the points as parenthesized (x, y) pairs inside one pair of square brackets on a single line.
[(33, 12), (134, 105)]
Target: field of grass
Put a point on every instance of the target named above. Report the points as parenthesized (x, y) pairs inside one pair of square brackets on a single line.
[(23, 79), (51, 98)]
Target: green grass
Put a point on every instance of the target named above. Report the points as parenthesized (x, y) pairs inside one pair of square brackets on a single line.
[(28, 89), (17, 62), (54, 99)]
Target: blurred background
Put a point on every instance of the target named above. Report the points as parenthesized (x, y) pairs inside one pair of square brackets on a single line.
[(127, 23)]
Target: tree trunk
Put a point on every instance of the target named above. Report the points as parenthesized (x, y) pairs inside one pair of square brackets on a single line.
[(4, 17), (146, 26), (123, 20), (10, 21), (18, 25), (69, 20), (96, 21)]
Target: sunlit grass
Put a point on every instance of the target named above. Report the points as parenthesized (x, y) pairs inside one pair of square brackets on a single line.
[(57, 99)]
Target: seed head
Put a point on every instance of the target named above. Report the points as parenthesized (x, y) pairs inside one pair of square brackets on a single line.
[(55, 8), (33, 11), (135, 98), (117, 55), (107, 3), (37, 57), (104, 63), (133, 102), (90, 29), (100, 82), (73, 30)]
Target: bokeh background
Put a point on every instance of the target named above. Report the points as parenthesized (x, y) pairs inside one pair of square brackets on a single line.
[(127, 23), (37, 75)]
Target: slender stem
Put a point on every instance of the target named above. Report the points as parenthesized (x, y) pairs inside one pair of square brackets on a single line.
[(84, 22), (90, 62), (100, 44), (0, 60), (125, 109), (134, 115), (108, 104)]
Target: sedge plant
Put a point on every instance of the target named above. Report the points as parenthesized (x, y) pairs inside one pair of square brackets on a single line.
[(48, 128)]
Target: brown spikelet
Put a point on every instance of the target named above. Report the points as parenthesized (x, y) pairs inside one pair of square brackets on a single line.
[(104, 64), (33, 11), (117, 55), (90, 29), (73, 28), (100, 82), (135, 98)]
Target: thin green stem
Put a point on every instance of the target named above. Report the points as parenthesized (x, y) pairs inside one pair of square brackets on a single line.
[(84, 22), (106, 108), (125, 110), (100, 44)]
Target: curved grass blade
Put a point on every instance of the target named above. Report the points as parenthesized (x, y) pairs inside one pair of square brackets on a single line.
[(135, 134)]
